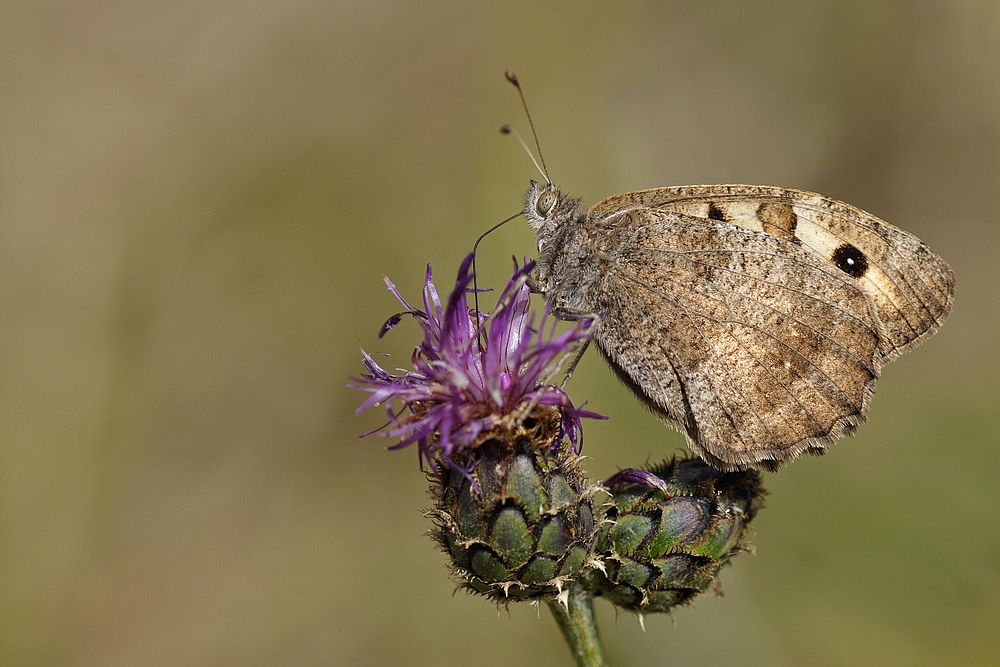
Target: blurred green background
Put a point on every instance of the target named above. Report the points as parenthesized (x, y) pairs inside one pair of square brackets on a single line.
[(197, 200)]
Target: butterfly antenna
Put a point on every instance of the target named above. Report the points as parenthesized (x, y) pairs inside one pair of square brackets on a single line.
[(517, 84), (475, 282), (509, 129)]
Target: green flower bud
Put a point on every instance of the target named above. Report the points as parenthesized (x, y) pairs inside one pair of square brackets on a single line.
[(520, 524), (669, 530)]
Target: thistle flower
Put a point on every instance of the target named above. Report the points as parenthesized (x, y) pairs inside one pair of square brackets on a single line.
[(460, 390), (512, 509)]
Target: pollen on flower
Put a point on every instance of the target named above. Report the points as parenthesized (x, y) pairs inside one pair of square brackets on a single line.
[(473, 373)]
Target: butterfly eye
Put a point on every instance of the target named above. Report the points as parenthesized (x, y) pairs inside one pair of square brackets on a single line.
[(546, 202)]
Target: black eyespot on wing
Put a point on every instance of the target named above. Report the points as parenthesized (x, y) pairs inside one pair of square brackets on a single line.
[(850, 260), (715, 213)]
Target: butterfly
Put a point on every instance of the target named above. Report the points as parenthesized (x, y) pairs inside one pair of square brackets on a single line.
[(754, 319)]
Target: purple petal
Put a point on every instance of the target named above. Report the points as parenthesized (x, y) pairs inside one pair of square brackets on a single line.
[(395, 293), (634, 476)]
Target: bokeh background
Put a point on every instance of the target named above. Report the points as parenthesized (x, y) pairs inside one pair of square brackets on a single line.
[(197, 200)]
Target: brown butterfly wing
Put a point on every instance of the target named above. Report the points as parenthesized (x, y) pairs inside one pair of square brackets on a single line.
[(746, 341), (909, 285)]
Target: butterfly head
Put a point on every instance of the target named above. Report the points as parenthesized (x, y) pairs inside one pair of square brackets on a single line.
[(546, 209)]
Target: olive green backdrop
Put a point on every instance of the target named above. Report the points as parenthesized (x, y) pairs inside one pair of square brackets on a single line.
[(197, 200)]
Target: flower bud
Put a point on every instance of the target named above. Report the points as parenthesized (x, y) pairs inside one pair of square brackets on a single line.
[(669, 531)]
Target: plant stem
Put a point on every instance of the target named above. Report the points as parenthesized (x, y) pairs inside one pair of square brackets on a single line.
[(579, 627)]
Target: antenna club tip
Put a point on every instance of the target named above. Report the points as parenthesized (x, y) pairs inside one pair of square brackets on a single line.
[(511, 77), (506, 129)]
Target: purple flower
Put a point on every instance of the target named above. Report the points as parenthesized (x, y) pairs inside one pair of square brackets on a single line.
[(460, 389)]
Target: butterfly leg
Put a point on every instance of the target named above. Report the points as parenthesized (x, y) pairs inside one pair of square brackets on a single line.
[(576, 316)]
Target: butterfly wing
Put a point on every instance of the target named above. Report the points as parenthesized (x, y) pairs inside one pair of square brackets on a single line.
[(910, 286), (752, 341)]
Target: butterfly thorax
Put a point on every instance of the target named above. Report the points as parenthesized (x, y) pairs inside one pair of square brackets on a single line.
[(566, 273)]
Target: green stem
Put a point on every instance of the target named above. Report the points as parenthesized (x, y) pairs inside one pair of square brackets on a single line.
[(579, 627)]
